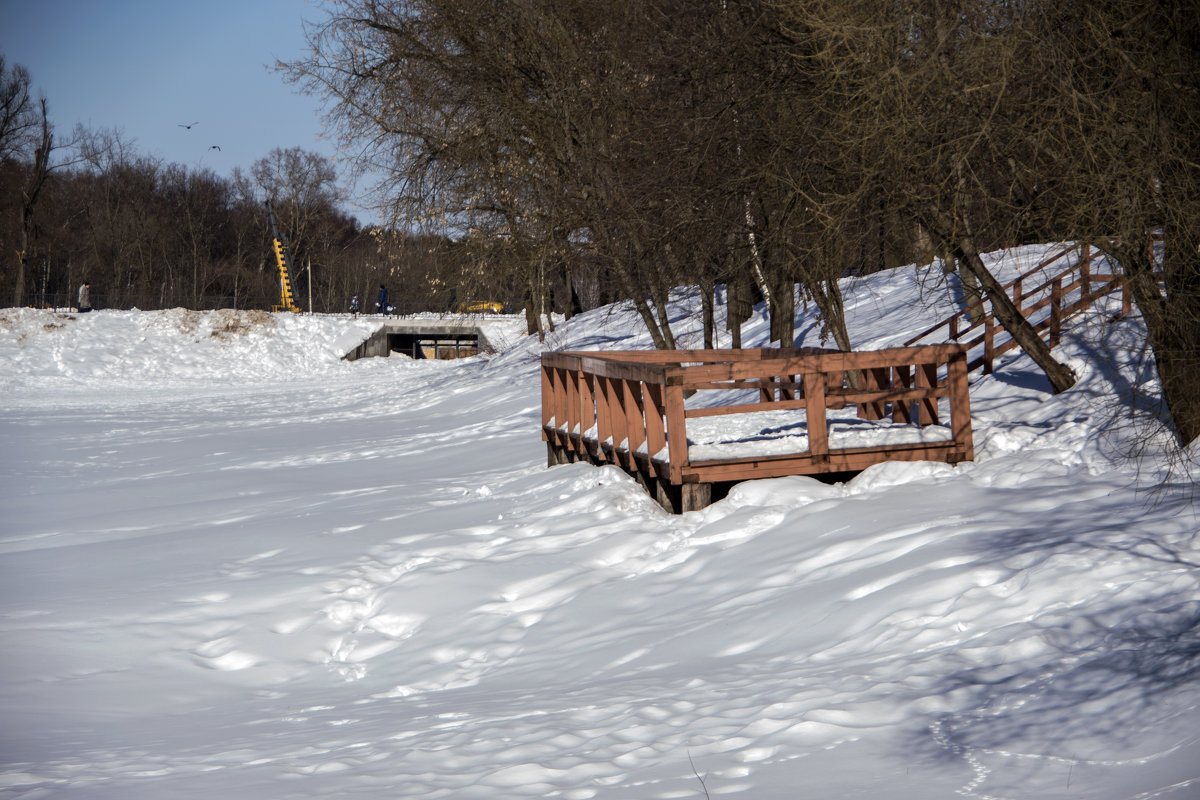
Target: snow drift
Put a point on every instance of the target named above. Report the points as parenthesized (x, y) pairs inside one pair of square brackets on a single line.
[(237, 566)]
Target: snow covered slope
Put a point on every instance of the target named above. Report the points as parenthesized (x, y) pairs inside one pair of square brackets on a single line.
[(236, 566)]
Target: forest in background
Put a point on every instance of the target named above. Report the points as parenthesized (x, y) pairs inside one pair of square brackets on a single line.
[(149, 234), (567, 153)]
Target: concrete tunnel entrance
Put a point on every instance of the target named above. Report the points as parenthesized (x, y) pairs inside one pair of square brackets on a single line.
[(420, 339), (414, 345)]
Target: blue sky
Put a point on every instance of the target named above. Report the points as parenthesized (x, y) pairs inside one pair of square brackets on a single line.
[(148, 67)]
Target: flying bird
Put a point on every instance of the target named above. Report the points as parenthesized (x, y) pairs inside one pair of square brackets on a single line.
[(189, 127), (215, 147)]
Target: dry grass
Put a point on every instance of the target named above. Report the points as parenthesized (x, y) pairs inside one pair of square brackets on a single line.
[(228, 323)]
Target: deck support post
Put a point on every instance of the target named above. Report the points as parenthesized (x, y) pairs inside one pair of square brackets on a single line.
[(664, 494), (694, 496), (554, 455)]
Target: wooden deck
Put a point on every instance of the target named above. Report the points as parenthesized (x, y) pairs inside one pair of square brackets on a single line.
[(643, 410)]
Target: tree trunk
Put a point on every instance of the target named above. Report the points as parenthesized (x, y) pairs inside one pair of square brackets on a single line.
[(973, 295), (708, 302), (22, 258), (738, 306), (664, 320), (571, 304), (656, 336), (828, 297), (1173, 329), (533, 320), (29, 198), (1010, 317), (782, 303)]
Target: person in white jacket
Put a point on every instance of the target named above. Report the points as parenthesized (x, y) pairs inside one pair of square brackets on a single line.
[(85, 300)]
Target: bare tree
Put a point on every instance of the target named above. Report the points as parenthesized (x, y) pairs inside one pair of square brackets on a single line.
[(18, 113), (928, 110), (39, 171), (589, 132), (1125, 84)]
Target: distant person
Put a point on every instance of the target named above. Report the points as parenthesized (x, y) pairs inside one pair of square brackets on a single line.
[(354, 306), (85, 298), (381, 305)]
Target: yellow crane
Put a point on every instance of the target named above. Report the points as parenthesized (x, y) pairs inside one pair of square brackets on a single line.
[(286, 297)]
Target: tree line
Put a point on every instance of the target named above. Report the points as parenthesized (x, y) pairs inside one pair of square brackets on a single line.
[(150, 234), (775, 146)]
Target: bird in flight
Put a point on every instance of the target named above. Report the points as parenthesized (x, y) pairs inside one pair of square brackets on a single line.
[(189, 127), (215, 147)]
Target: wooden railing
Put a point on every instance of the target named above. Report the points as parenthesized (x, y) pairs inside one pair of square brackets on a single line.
[(1072, 286), (632, 409)]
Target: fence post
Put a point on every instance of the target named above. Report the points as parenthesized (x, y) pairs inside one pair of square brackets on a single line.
[(603, 416), (635, 426), (589, 413), (989, 343), (656, 434), (574, 420), (814, 412), (927, 408), (1056, 311), (1085, 273), (960, 405), (902, 411), (677, 446), (548, 414)]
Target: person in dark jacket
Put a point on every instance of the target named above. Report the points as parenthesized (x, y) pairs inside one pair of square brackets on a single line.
[(85, 298), (381, 306)]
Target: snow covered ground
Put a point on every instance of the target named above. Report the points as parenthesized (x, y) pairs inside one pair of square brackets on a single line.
[(236, 566)]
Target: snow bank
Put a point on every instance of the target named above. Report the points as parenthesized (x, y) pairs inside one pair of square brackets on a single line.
[(235, 565)]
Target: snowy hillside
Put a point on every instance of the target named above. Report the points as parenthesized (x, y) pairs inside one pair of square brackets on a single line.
[(236, 566)]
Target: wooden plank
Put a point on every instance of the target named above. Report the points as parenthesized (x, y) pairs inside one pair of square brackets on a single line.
[(725, 385), (818, 431), (989, 344), (547, 399), (877, 381), (559, 381), (635, 421), (766, 391), (801, 464), (574, 420), (589, 413), (927, 409), (604, 429), (656, 436), (1056, 312), (895, 396), (619, 419), (834, 399), (960, 406), (901, 403), (694, 496), (677, 446), (622, 370), (651, 467), (743, 408)]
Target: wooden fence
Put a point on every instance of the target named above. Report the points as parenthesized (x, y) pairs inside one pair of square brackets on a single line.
[(632, 409), (1047, 301)]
